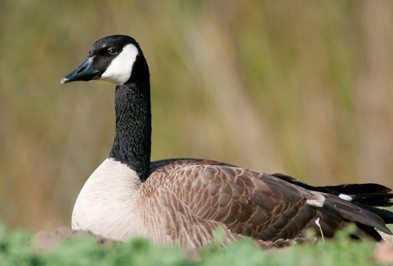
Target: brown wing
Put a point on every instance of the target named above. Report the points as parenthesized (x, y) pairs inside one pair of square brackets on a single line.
[(246, 202)]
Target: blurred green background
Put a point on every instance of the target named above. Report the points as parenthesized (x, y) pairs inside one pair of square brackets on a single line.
[(301, 87)]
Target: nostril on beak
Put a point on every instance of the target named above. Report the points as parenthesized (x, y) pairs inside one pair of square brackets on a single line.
[(83, 72), (80, 69)]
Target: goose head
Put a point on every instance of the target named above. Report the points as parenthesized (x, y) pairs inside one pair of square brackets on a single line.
[(111, 58), (119, 59)]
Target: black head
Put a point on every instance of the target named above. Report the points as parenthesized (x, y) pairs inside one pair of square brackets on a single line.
[(111, 58)]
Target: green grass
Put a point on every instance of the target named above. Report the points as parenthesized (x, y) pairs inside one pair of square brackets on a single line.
[(15, 249)]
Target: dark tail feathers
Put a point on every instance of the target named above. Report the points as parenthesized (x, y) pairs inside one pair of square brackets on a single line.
[(368, 196), (336, 206), (355, 202)]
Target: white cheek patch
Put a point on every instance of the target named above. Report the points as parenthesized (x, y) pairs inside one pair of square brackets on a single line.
[(119, 70)]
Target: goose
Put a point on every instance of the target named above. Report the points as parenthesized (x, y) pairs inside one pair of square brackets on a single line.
[(184, 201)]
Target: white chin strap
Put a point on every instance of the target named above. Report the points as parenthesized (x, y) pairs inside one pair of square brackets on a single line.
[(119, 70)]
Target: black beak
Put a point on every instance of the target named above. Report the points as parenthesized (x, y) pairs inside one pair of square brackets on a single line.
[(85, 72)]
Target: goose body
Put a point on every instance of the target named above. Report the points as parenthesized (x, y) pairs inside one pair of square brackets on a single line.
[(183, 201)]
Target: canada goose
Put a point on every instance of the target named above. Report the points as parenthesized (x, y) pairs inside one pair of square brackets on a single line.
[(183, 201)]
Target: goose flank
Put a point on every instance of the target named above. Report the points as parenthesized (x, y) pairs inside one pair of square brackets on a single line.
[(183, 201)]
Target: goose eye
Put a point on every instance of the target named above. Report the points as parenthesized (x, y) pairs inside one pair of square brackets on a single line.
[(112, 50)]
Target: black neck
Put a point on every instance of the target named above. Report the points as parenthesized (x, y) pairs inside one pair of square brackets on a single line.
[(132, 142)]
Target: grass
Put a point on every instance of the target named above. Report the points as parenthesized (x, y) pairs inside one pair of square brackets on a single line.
[(298, 87), (15, 249)]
